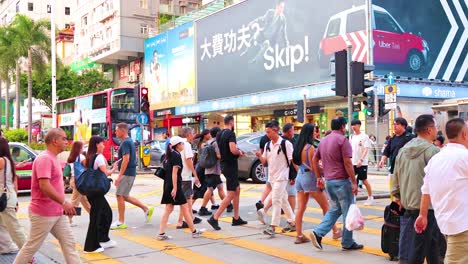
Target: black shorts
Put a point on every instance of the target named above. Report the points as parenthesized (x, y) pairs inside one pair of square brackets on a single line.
[(230, 172), (212, 180), (167, 197), (361, 172)]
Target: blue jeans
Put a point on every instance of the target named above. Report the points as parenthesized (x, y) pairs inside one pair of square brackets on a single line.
[(341, 197)]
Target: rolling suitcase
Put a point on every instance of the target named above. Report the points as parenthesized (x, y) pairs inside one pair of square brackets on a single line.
[(391, 230)]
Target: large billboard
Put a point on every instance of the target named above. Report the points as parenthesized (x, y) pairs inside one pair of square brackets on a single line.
[(260, 45), (170, 69), (422, 38)]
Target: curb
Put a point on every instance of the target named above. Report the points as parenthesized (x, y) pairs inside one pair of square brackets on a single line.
[(378, 196)]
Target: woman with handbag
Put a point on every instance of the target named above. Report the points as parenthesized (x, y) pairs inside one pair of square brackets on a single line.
[(173, 193), (77, 156), (8, 194), (100, 217)]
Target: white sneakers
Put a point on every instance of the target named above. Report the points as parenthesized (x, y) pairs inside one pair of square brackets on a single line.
[(104, 245), (108, 244), (99, 250), (369, 201)]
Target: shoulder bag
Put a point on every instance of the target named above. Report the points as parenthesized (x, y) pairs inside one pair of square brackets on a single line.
[(92, 182), (3, 197)]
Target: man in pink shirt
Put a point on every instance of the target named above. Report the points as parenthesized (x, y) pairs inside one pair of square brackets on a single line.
[(48, 204)]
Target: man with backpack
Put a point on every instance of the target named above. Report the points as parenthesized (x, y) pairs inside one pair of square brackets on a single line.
[(209, 157), (278, 155)]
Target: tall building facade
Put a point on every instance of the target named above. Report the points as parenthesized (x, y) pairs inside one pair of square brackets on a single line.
[(112, 33), (37, 9)]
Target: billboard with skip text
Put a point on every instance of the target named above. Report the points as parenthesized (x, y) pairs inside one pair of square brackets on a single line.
[(260, 45), (264, 45), (170, 69)]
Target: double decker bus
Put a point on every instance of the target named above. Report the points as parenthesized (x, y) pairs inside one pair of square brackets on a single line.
[(97, 114)]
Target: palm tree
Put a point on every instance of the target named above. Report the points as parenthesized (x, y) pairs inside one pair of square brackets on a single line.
[(8, 58), (32, 40)]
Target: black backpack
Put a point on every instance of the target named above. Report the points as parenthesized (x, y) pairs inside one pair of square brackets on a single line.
[(207, 156), (292, 170)]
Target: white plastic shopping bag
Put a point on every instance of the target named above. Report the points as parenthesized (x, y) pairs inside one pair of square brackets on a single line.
[(354, 220)]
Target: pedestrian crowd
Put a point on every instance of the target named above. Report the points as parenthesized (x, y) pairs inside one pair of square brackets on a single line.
[(428, 178)]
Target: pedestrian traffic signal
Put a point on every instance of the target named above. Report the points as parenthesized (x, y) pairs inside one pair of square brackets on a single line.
[(369, 103), (144, 105), (341, 73), (359, 82), (382, 110)]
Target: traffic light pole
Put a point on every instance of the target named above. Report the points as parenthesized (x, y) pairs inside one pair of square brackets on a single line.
[(350, 93)]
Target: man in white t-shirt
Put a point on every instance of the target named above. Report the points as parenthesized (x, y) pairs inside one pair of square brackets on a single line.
[(188, 174), (278, 176), (360, 143)]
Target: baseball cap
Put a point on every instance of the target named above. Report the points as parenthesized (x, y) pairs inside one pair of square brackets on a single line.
[(176, 140)]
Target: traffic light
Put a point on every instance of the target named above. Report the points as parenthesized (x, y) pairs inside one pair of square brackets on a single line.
[(382, 110), (358, 81), (369, 103), (144, 105), (341, 73), (136, 98)]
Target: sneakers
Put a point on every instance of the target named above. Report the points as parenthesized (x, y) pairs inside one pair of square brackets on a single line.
[(204, 211), (289, 228), (117, 225), (354, 246), (196, 220), (162, 237), (215, 207), (338, 234), (214, 223), (184, 225), (149, 214), (197, 233), (269, 231), (261, 216), (316, 240), (238, 221), (259, 205), (369, 201), (301, 240), (108, 244), (230, 208), (99, 250)]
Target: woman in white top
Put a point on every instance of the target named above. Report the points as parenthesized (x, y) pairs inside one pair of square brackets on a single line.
[(76, 156), (8, 219), (100, 217)]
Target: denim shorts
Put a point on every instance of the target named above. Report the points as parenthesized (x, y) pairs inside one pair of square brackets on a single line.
[(306, 181), (291, 189)]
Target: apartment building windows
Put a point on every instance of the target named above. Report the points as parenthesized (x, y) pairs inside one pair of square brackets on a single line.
[(49, 9), (30, 6), (67, 11), (84, 21), (144, 29), (144, 4), (17, 7)]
